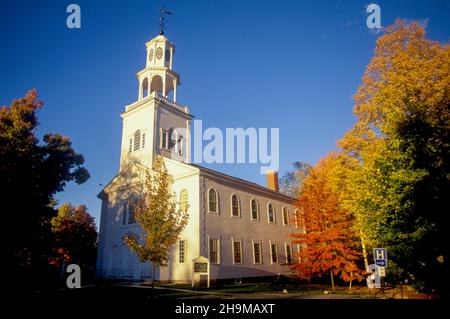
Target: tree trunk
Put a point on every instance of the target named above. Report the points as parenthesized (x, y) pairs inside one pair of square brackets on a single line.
[(351, 280), (153, 275), (332, 279), (366, 262)]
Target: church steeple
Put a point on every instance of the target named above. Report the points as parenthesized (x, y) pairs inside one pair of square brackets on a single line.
[(158, 75), (156, 124)]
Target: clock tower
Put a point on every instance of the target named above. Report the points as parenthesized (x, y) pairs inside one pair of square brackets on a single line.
[(156, 123), (158, 74)]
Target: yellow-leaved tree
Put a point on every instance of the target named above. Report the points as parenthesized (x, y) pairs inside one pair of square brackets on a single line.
[(402, 142), (160, 217)]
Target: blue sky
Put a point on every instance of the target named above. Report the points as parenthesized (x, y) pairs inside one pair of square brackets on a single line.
[(288, 64)]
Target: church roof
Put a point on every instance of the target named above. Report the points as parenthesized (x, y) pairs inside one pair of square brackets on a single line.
[(244, 183)]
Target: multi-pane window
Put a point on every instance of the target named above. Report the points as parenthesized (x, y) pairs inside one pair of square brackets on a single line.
[(274, 252), (271, 213), (131, 146), (131, 216), (184, 200), (214, 251), (254, 209), (257, 256), (137, 140), (124, 215), (235, 206), (182, 251), (143, 140), (285, 216), (288, 254), (237, 252), (212, 201)]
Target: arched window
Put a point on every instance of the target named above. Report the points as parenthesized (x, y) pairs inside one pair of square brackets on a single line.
[(213, 201), (131, 215), (124, 214), (235, 208), (271, 213), (184, 200), (285, 216), (144, 88), (163, 135), (254, 208), (137, 140), (299, 219), (156, 84)]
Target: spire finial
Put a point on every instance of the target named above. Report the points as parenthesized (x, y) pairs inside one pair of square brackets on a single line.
[(161, 19)]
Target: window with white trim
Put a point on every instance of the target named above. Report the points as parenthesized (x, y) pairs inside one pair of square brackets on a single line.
[(257, 253), (235, 207), (271, 213), (163, 143), (254, 208), (182, 251), (124, 214), (237, 251), (131, 216), (143, 140), (214, 250), (213, 201), (288, 253), (274, 252), (285, 216)]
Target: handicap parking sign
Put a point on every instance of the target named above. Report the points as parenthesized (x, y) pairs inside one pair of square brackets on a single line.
[(380, 256)]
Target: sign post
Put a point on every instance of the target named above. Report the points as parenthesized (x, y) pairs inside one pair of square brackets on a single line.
[(200, 266)]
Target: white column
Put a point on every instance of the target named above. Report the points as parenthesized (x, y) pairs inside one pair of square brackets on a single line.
[(164, 87), (175, 82)]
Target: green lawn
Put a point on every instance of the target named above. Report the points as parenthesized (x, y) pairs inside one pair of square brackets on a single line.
[(266, 288)]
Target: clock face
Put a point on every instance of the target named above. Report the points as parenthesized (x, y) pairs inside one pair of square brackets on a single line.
[(150, 55), (159, 53), (167, 55)]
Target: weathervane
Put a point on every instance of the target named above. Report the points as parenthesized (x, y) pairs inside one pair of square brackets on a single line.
[(161, 19)]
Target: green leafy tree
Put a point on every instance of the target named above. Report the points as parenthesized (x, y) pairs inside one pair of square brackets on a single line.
[(75, 236), (402, 140), (160, 217), (31, 173)]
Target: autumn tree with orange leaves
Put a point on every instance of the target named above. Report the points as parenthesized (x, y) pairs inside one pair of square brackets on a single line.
[(330, 244)]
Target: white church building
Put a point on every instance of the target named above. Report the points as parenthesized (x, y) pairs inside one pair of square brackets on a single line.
[(241, 227)]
